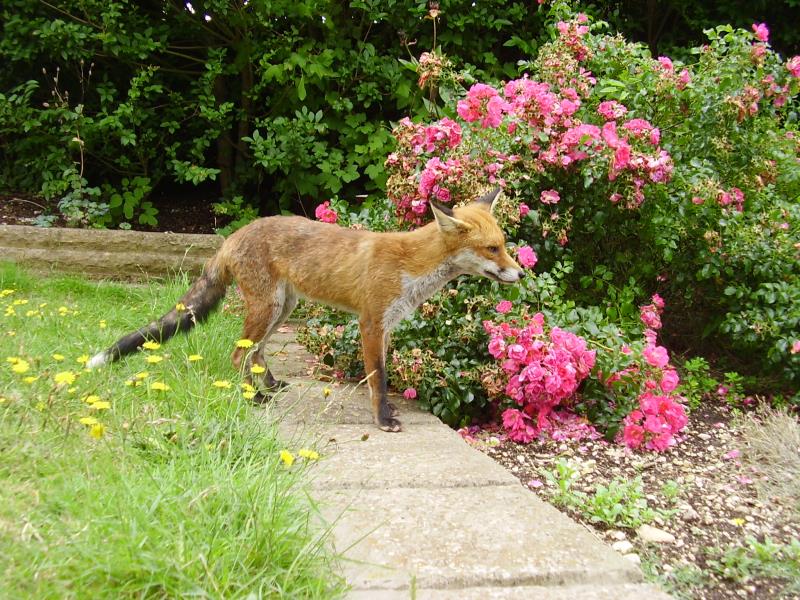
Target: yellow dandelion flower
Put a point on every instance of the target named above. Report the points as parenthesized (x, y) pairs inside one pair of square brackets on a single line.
[(10, 312), (91, 399), (19, 302), (12, 359), (244, 343), (103, 324), (737, 521), (222, 383), (151, 345), (180, 307), (154, 358), (101, 405), (21, 366), (43, 304), (82, 359), (248, 395), (40, 406), (308, 454), (247, 387), (142, 375), (6, 292), (97, 430), (287, 458), (30, 378), (160, 386), (326, 391), (63, 310), (58, 357), (3, 400), (195, 357), (11, 333), (31, 313), (257, 369), (87, 420), (64, 378)]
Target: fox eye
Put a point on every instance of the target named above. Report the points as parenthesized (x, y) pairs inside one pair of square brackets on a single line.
[(493, 249)]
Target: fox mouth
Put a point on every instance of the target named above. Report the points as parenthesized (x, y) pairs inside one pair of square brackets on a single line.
[(497, 277)]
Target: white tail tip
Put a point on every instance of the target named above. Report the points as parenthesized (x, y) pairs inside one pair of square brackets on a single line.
[(98, 360)]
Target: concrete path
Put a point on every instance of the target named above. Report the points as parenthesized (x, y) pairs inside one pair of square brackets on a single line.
[(421, 514)]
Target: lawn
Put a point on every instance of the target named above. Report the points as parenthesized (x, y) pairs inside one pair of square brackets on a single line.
[(154, 477)]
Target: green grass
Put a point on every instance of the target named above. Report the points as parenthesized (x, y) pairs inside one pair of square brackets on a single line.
[(171, 493)]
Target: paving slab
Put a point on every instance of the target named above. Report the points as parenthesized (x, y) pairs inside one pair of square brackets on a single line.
[(421, 514), (628, 591), (464, 537), (313, 403), (429, 456)]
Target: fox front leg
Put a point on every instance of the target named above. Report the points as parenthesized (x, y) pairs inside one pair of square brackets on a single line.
[(373, 341)]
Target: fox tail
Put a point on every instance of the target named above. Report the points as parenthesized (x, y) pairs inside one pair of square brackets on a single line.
[(193, 307)]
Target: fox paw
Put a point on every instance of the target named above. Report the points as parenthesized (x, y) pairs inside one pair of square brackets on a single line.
[(391, 425), (277, 384), (261, 398)]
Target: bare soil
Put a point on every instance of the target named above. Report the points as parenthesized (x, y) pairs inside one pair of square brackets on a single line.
[(712, 501), (179, 214)]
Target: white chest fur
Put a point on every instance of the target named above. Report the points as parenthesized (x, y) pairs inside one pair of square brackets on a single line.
[(415, 290)]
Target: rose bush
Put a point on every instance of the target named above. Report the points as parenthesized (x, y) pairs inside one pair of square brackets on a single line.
[(624, 175)]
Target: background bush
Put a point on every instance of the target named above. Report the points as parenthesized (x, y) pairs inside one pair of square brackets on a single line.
[(704, 214)]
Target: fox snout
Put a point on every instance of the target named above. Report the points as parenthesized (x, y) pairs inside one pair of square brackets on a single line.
[(510, 275), (505, 274)]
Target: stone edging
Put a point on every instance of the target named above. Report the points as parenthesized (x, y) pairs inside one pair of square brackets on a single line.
[(100, 253)]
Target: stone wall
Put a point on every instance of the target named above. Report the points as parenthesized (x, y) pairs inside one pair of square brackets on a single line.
[(111, 254)]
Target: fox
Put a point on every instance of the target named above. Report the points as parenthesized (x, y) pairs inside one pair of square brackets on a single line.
[(381, 277)]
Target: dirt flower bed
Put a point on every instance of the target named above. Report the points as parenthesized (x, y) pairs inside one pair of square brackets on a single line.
[(699, 518)]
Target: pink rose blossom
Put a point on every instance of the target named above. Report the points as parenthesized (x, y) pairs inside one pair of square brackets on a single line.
[(795, 347), (519, 426), (669, 381), (793, 65), (656, 356), (410, 394), (524, 209), (761, 31), (666, 64), (549, 197), (503, 306), (526, 256), (684, 79), (325, 213)]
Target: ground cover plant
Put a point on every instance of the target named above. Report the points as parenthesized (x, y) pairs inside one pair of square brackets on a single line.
[(151, 479), (655, 202)]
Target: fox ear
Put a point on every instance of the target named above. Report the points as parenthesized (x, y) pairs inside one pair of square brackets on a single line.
[(446, 221), (488, 201)]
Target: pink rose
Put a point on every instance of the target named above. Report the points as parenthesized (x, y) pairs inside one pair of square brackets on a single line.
[(549, 197), (410, 394), (761, 31), (656, 356), (524, 209), (503, 306), (325, 213), (527, 257), (793, 65)]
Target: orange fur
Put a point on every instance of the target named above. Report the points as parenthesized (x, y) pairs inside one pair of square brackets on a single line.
[(381, 277)]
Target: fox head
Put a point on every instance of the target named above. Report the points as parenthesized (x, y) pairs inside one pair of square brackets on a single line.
[(475, 240)]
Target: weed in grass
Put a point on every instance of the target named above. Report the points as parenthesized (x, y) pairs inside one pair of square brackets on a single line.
[(145, 479)]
